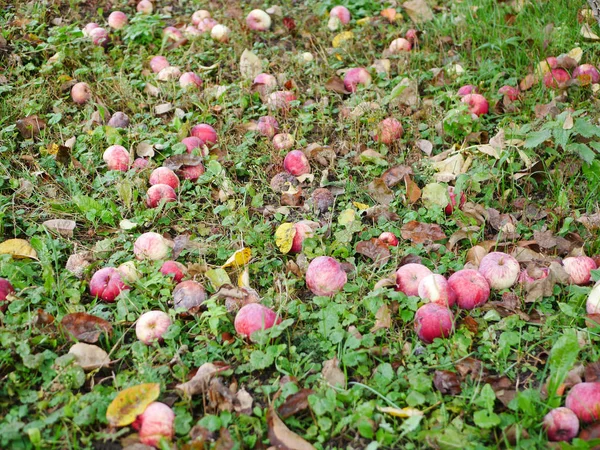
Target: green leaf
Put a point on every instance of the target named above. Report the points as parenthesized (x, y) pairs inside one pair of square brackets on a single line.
[(562, 357), (586, 153), (486, 419), (537, 138), (586, 129), (486, 398)]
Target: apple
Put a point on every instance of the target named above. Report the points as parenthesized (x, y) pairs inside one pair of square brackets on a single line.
[(158, 63), (283, 141), (449, 209), (190, 80), (258, 20), (81, 93), (500, 270), (399, 45), (188, 295), (117, 20), (282, 181), (128, 272), (552, 62), (100, 37), (355, 77), (88, 28), (325, 276), (389, 238), (151, 246), (511, 92), (584, 400), (254, 317), (433, 321), (151, 326), (267, 126), (586, 74), (561, 424), (207, 24), (280, 100), (409, 276), (322, 200), (477, 103), (412, 36), (304, 229), (119, 120), (470, 287), (192, 143), (174, 270), (155, 423), (340, 12), (145, 7), (579, 269), (436, 289), (389, 131), (6, 288), (556, 78), (531, 274), (107, 284), (267, 81), (220, 33), (205, 132), (140, 164), (592, 303), (190, 31), (169, 74), (159, 192), (164, 175), (191, 173), (199, 15), (116, 157), (296, 163), (466, 90), (172, 33)]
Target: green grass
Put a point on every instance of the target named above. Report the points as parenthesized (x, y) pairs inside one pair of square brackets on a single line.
[(48, 401)]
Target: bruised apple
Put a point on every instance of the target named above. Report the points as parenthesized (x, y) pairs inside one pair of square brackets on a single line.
[(81, 93), (106, 284), (355, 77), (389, 238), (254, 317), (116, 157), (158, 63), (258, 20), (117, 20), (561, 424), (399, 45), (189, 295), (5, 289), (556, 78), (579, 269), (283, 141), (325, 276), (267, 126), (586, 74), (433, 321), (477, 104), (389, 131), (436, 289), (304, 229)]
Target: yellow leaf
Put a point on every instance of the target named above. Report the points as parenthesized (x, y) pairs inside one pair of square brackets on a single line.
[(576, 54), (244, 279), (346, 217), (284, 237), (363, 21), (130, 403), (342, 38), (360, 206), (52, 149), (239, 258), (217, 277), (403, 413), (18, 248)]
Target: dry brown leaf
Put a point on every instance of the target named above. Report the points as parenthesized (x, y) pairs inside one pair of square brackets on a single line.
[(375, 249), (448, 383), (527, 82), (200, 382), (381, 211), (418, 11), (63, 227), (395, 175), (30, 126), (413, 193), (295, 403), (425, 146), (475, 255), (590, 221), (380, 192), (177, 161), (419, 232), (336, 84), (383, 318), (587, 33), (89, 357), (86, 327), (332, 373), (281, 437)]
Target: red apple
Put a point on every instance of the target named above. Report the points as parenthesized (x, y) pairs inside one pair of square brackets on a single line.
[(529, 275), (561, 424), (254, 317), (389, 238), (140, 164), (151, 246), (477, 103), (579, 269), (100, 37), (433, 321), (436, 289), (470, 287), (409, 276), (155, 423), (399, 45), (466, 90), (584, 400), (173, 269), (267, 126), (355, 77), (188, 295), (552, 62), (164, 175), (116, 157), (500, 270), (304, 229), (389, 131), (145, 7), (172, 34), (296, 163), (192, 143), (556, 78), (107, 284), (412, 36), (159, 192), (450, 206), (81, 93), (325, 276), (267, 80), (117, 20), (151, 326), (88, 28), (190, 80), (158, 63), (191, 173), (341, 12), (5, 289), (586, 74), (199, 15), (258, 20), (205, 132), (280, 100), (207, 24), (511, 92)]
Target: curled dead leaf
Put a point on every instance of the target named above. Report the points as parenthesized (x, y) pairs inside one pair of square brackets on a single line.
[(200, 382), (419, 232)]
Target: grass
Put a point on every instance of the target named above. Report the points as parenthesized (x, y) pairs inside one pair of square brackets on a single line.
[(501, 358)]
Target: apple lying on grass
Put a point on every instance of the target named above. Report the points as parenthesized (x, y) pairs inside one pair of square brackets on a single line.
[(584, 400), (388, 238), (151, 326), (158, 63), (433, 321), (296, 163), (355, 77), (117, 20), (399, 45), (561, 424), (466, 90), (155, 423), (409, 276), (158, 193), (206, 25), (145, 7), (151, 246), (119, 120), (342, 13), (164, 175), (173, 269), (254, 317), (436, 289), (267, 126), (190, 80), (188, 295), (304, 229), (199, 15), (206, 133), (579, 269), (81, 93), (6, 288), (283, 141), (471, 288), (556, 78), (192, 142), (106, 284), (258, 20), (586, 74), (389, 131), (220, 33), (477, 103), (500, 270), (116, 157), (325, 276)]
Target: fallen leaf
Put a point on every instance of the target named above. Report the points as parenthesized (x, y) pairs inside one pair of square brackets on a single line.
[(18, 248), (435, 195), (284, 237), (250, 65), (30, 126), (413, 193), (86, 327), (592, 372), (374, 249), (239, 258), (336, 84), (343, 38), (418, 11), (380, 192), (332, 373), (472, 367), (425, 146), (89, 357), (587, 33), (419, 232), (383, 318), (163, 108), (281, 437), (295, 403), (218, 277), (375, 213), (200, 382), (144, 150), (400, 412), (177, 161), (63, 227), (130, 403), (395, 175), (527, 82)]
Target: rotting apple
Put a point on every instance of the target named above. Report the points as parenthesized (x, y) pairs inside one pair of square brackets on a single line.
[(268, 81), (151, 326), (466, 90), (283, 141), (389, 238), (342, 13), (433, 321), (325, 276), (258, 20), (500, 269), (81, 93), (280, 100), (254, 317), (170, 73), (409, 276), (399, 45), (119, 120), (172, 34), (471, 288), (389, 131), (267, 126), (304, 229), (6, 288), (191, 173), (128, 272), (188, 295), (151, 246), (193, 142), (116, 157), (561, 424), (556, 78), (106, 284), (220, 33), (322, 200), (586, 74), (510, 91), (190, 80), (158, 63)]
